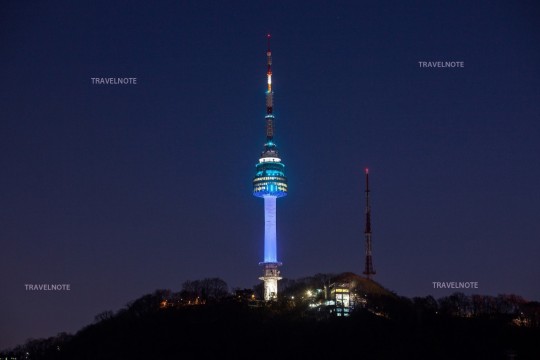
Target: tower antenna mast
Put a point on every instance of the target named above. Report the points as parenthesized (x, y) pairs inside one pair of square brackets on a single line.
[(368, 271), (269, 94)]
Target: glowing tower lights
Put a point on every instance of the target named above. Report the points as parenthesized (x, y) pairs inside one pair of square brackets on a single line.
[(368, 271), (270, 183)]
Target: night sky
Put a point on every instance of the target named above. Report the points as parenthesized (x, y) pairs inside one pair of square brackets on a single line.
[(119, 190)]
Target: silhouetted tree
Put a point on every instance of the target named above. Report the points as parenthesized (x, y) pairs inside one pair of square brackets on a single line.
[(206, 289), (457, 304), (509, 304), (531, 311), (103, 316), (148, 303)]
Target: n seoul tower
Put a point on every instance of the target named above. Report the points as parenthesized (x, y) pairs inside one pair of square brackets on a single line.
[(270, 183)]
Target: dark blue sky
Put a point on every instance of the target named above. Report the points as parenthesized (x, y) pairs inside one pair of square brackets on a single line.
[(120, 190)]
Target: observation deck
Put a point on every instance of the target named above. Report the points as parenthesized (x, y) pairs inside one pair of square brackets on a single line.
[(270, 179)]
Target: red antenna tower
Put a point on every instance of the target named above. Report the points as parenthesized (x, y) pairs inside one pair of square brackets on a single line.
[(368, 271)]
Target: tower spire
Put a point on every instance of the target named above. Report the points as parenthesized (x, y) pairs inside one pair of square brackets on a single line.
[(269, 94), (368, 271)]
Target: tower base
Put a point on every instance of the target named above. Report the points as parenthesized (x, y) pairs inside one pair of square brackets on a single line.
[(270, 278)]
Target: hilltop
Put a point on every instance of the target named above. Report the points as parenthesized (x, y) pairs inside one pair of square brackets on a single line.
[(204, 320)]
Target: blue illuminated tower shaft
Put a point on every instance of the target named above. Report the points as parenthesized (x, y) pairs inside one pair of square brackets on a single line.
[(270, 251), (270, 183)]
